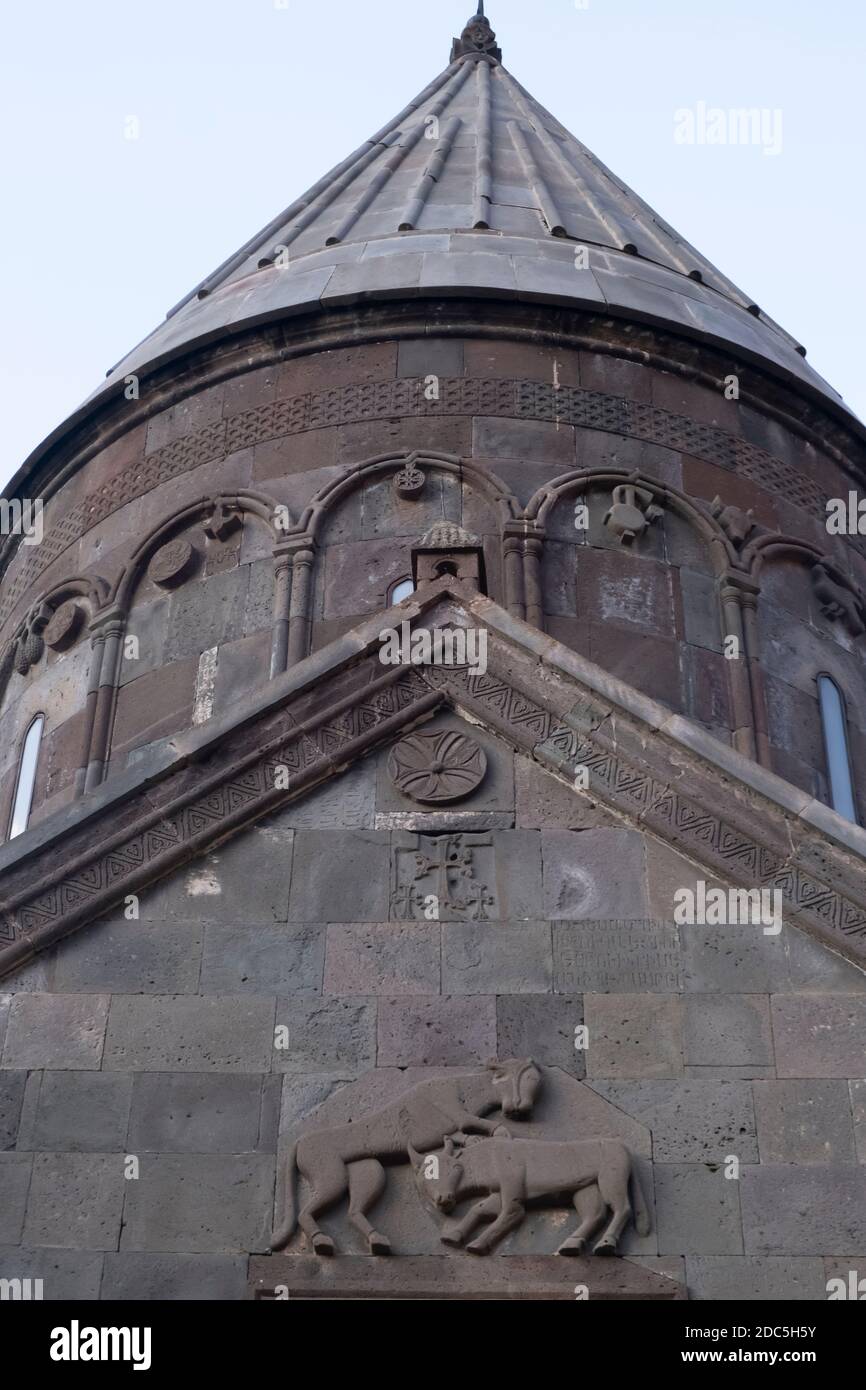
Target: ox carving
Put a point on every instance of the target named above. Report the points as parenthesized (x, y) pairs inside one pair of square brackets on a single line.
[(350, 1159), (503, 1174)]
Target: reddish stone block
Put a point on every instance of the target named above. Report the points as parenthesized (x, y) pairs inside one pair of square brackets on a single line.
[(322, 371), (625, 590), (154, 706), (706, 481), (650, 664), (295, 453)]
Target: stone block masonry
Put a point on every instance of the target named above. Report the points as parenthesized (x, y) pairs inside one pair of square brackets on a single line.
[(150, 1067)]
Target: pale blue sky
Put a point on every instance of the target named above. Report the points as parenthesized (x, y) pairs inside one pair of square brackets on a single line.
[(244, 104)]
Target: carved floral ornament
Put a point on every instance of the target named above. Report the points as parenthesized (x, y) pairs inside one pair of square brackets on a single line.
[(437, 767)]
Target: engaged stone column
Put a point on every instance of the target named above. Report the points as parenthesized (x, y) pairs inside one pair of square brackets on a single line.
[(742, 709), (512, 549), (283, 568), (300, 616), (108, 628)]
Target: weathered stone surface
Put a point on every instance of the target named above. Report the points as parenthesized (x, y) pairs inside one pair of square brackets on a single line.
[(136, 1277), (523, 1278), (340, 876), (81, 1112), (728, 959), (246, 880), (131, 957), (621, 957), (326, 1035), (15, 1171), (46, 1030), (76, 1201), (819, 1035), (349, 802), (302, 1096), (593, 874), (755, 1279), (804, 1122), (697, 1209), (195, 1113), (541, 1027), (262, 959), (812, 967), (858, 1109), (5, 1006), (391, 958), (71, 1275), (790, 1210), (12, 1085), (440, 1031), (691, 1121), (206, 613), (497, 958), (199, 1203), (544, 803), (731, 1030), (153, 1033), (633, 1035)]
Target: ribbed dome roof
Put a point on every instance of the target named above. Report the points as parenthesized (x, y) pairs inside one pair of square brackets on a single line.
[(474, 189)]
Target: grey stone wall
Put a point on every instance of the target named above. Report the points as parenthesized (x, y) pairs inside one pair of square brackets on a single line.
[(154, 1039)]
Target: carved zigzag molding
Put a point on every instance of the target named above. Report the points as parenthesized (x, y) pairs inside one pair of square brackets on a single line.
[(653, 769)]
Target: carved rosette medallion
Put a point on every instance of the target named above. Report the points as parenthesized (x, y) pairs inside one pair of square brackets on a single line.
[(409, 482), (173, 564), (437, 767), (64, 627)]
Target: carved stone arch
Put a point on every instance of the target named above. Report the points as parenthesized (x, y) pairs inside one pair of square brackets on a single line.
[(721, 549), (253, 504), (827, 576), (354, 477), (406, 464), (108, 627), (54, 620), (735, 588), (756, 556)]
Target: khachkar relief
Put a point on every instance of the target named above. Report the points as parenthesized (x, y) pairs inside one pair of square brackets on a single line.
[(444, 878), (461, 1160)]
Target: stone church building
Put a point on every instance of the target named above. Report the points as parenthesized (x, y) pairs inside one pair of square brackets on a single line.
[(431, 730)]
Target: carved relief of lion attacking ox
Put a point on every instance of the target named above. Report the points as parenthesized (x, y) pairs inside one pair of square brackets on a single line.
[(452, 1130)]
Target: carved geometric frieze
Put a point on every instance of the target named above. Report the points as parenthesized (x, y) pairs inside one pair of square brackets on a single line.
[(342, 405), (268, 760)]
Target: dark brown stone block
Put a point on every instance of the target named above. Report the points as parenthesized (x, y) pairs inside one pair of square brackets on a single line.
[(154, 705), (323, 371)]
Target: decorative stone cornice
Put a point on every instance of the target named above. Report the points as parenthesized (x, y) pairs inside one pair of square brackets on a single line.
[(655, 770)]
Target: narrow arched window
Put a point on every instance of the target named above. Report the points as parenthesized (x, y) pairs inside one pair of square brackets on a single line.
[(26, 779), (835, 726), (402, 589)]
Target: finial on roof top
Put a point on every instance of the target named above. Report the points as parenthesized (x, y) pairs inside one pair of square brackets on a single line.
[(477, 40)]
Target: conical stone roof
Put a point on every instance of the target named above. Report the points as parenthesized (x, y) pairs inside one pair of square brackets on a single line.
[(474, 189)]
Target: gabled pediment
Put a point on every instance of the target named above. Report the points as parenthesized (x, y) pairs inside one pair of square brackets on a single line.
[(653, 770)]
